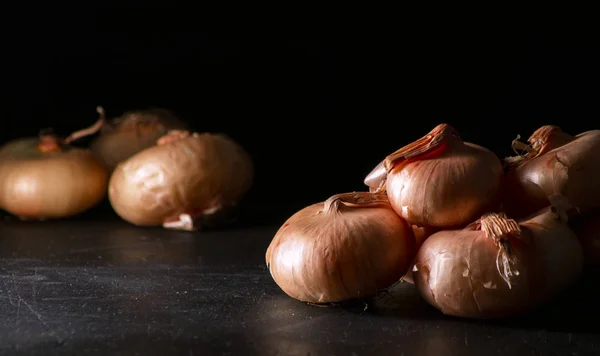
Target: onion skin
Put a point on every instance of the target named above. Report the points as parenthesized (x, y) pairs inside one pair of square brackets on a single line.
[(557, 164), (587, 229), (131, 133), (186, 176), (421, 234), (538, 258), (348, 247), (37, 185), (439, 181)]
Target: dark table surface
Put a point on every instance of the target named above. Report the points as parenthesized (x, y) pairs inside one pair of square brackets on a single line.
[(108, 288)]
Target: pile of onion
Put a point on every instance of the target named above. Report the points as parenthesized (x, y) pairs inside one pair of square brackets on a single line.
[(124, 136), (439, 181), (498, 267), (47, 178), (440, 210), (349, 247), (186, 181), (554, 163)]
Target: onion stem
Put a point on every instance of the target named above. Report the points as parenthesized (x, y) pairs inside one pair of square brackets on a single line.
[(354, 199), (429, 144), (85, 132)]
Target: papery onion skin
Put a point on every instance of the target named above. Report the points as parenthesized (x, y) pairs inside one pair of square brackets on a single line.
[(421, 234), (131, 133), (193, 174), (563, 164), (37, 185), (457, 273), (587, 229), (440, 181), (345, 252)]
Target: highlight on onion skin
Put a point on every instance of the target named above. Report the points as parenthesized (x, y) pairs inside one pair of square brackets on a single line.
[(497, 267), (134, 131), (186, 182), (349, 247), (587, 229), (554, 163), (438, 180), (46, 178)]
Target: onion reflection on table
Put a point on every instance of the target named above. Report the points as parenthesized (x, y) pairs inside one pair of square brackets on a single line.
[(398, 322), (391, 323), (130, 245), (117, 243)]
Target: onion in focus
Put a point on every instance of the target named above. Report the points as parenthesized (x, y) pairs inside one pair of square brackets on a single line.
[(184, 182), (555, 163), (46, 178), (124, 136), (439, 180), (348, 247), (497, 267), (421, 234)]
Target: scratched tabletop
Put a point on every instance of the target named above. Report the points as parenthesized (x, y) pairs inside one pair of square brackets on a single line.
[(104, 287)]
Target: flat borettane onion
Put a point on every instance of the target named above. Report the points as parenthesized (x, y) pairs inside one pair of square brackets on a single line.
[(350, 247), (47, 178)]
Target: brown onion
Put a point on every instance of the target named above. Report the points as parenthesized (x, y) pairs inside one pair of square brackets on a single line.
[(439, 180), (124, 136), (421, 234), (555, 164), (587, 229), (498, 267), (46, 178), (183, 182), (349, 247)]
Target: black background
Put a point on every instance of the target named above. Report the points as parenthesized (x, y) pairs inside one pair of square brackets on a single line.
[(316, 110)]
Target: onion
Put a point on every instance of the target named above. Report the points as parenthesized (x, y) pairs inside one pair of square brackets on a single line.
[(439, 180), (124, 136), (187, 181), (498, 267), (587, 229), (47, 178), (349, 247), (555, 164), (421, 234)]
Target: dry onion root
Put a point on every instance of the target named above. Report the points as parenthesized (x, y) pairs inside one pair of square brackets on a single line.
[(124, 136), (186, 182), (47, 178), (554, 163), (439, 180), (498, 267), (349, 247)]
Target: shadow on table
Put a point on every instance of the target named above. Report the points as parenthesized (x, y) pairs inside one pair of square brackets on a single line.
[(568, 313), (113, 241)]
